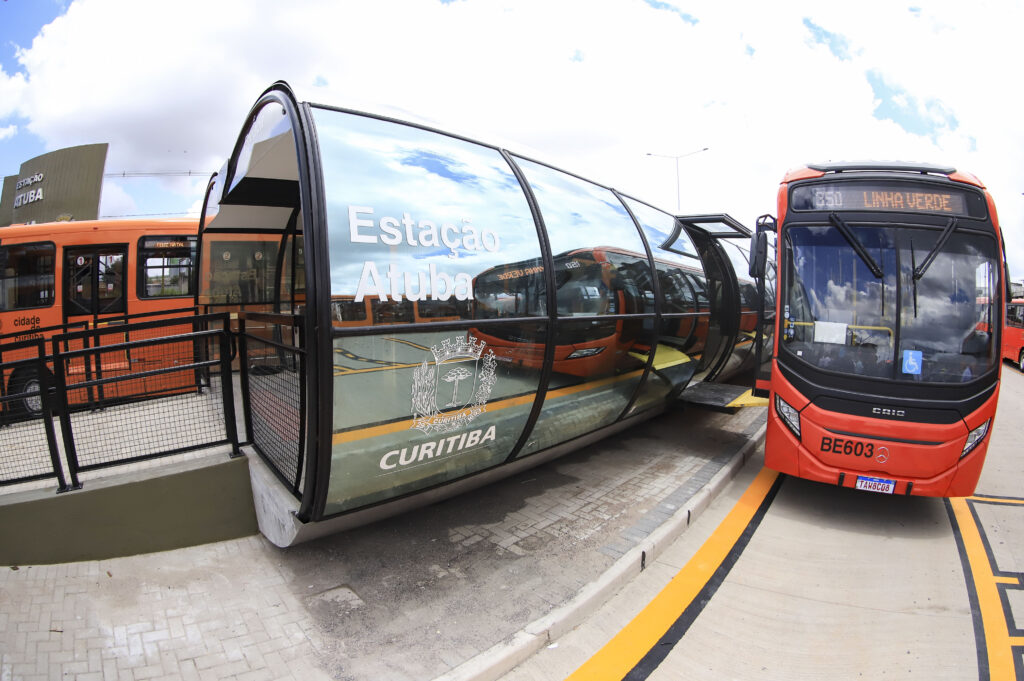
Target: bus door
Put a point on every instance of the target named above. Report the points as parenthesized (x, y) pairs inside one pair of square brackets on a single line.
[(95, 292), (762, 269), (723, 290)]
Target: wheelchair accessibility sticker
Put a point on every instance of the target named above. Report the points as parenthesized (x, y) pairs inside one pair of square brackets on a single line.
[(912, 362)]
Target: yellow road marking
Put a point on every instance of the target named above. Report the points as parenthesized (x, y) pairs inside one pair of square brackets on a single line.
[(998, 500), (629, 646), (998, 642), (409, 343)]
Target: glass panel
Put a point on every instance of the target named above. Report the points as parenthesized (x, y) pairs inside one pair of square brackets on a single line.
[(420, 219), (26, 276), (659, 227), (78, 275), (240, 269), (947, 316), (598, 366), (601, 265), (839, 317), (293, 276), (419, 409), (684, 305), (836, 313), (269, 147), (110, 292), (601, 269)]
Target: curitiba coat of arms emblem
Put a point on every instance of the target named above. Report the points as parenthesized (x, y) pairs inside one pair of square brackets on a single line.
[(450, 394)]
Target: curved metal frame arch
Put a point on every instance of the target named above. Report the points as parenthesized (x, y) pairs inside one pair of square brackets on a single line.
[(310, 207)]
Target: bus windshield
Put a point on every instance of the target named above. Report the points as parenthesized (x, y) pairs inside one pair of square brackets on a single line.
[(840, 316)]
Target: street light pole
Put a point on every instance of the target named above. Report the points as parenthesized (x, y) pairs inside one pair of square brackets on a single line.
[(679, 205)]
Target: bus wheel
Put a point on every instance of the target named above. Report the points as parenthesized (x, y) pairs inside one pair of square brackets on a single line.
[(1020, 360), (27, 382)]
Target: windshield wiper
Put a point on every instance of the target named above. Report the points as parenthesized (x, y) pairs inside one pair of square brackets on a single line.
[(858, 247), (926, 263)]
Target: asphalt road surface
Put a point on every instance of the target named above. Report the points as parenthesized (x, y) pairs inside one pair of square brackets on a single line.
[(821, 582)]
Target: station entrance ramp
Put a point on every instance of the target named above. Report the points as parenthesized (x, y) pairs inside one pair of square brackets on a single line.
[(722, 397)]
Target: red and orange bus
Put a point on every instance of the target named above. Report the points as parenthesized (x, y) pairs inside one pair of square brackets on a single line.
[(593, 282), (1013, 333), (886, 365), (66, 276)]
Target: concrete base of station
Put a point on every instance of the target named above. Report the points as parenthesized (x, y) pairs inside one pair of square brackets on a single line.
[(188, 503)]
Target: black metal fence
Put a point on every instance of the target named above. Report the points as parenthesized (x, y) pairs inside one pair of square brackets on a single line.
[(273, 387), (119, 393)]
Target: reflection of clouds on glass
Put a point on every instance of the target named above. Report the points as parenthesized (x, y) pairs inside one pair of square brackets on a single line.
[(579, 214), (936, 312), (948, 307), (440, 165), (426, 200), (659, 227)]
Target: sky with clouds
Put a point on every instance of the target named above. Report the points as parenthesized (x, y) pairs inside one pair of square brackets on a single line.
[(608, 90)]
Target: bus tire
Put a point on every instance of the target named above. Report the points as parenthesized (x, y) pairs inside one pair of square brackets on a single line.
[(26, 381), (1020, 360)]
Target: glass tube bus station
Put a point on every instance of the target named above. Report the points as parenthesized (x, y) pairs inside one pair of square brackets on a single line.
[(420, 313)]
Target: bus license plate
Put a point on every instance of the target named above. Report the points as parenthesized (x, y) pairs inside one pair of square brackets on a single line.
[(880, 485)]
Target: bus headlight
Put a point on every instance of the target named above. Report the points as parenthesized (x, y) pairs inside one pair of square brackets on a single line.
[(789, 415), (975, 437), (585, 352)]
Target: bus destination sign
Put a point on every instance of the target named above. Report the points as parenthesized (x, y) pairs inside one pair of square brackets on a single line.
[(882, 196)]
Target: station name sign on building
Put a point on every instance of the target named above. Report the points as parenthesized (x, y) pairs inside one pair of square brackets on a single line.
[(60, 185)]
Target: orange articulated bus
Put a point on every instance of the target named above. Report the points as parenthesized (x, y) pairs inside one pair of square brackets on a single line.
[(70, 276), (886, 364)]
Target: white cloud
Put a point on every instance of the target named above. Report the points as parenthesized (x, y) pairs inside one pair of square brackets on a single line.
[(592, 92), (114, 200), (8, 131)]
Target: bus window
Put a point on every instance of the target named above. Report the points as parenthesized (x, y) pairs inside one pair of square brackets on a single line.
[(26, 276), (347, 311), (449, 310), (166, 266), (391, 312), (513, 290)]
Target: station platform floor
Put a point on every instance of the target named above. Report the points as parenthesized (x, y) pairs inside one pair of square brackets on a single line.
[(461, 590)]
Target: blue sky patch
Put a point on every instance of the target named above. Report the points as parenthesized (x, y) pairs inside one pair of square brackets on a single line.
[(438, 165), (688, 18), (837, 44), (897, 105)]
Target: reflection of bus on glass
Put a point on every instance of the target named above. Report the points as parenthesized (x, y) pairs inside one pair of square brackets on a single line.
[(77, 275), (1013, 333), (596, 282), (885, 374), (372, 311)]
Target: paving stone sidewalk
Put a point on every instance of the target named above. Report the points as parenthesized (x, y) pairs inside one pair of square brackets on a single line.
[(414, 597)]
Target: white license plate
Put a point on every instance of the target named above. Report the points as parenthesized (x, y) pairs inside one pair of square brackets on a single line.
[(880, 485)]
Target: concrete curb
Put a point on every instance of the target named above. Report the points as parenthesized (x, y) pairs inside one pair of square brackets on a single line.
[(501, 658)]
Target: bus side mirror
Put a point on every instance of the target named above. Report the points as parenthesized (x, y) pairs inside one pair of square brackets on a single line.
[(759, 245), (758, 254)]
